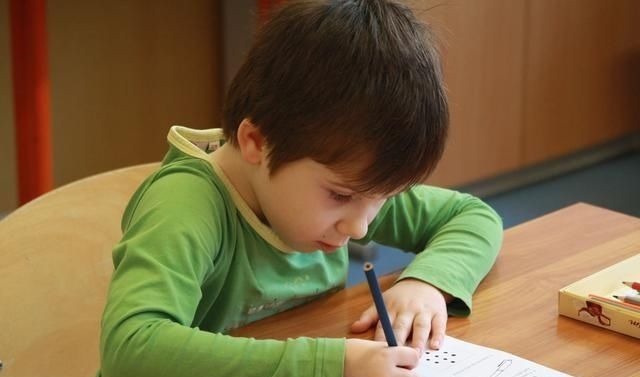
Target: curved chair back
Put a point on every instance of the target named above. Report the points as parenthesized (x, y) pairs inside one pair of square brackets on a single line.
[(55, 267)]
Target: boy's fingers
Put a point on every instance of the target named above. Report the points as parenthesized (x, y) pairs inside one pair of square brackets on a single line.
[(379, 335), (402, 327), (439, 326), (366, 320), (406, 357), (421, 330)]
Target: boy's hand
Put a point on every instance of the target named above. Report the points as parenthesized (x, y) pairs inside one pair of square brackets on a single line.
[(366, 358), (414, 307)]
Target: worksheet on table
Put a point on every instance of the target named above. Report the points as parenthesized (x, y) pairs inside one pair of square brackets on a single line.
[(462, 359)]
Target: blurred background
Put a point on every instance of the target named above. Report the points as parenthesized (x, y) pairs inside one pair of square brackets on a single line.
[(545, 94)]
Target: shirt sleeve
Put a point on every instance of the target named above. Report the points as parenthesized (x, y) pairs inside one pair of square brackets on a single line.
[(456, 237), (170, 246)]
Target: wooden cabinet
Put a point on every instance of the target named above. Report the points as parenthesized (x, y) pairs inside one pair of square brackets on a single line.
[(533, 80), (121, 74), (582, 75), (483, 63)]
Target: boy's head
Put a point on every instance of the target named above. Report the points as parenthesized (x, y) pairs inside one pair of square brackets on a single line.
[(354, 85)]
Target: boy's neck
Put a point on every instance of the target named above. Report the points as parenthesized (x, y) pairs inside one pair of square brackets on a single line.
[(238, 172)]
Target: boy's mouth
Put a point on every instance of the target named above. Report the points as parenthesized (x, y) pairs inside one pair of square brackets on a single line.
[(327, 247)]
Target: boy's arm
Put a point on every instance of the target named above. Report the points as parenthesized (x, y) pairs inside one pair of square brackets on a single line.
[(146, 347), (169, 249), (456, 237)]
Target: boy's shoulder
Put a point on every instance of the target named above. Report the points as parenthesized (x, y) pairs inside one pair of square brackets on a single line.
[(185, 185), (187, 167)]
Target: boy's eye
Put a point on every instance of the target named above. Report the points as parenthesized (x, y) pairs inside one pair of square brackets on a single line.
[(340, 197)]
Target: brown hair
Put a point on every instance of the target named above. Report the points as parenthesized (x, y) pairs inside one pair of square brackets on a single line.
[(354, 83)]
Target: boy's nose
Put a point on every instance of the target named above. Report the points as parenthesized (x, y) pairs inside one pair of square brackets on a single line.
[(355, 227)]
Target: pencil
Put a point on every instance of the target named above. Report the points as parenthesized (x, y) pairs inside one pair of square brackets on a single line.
[(379, 302), (629, 299), (632, 284), (616, 302)]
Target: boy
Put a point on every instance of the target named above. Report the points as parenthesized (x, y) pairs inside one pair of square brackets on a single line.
[(334, 118)]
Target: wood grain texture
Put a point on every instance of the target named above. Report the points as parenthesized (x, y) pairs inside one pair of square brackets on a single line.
[(122, 73), (515, 307), (533, 80), (582, 75), (56, 266), (483, 62)]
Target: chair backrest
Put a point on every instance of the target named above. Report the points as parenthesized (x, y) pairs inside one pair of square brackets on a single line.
[(55, 268)]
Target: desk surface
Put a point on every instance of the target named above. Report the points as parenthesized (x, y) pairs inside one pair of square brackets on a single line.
[(515, 307)]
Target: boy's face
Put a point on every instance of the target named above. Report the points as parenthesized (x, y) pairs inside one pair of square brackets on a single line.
[(309, 207)]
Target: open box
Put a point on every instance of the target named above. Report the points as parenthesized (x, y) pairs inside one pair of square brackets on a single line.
[(591, 299)]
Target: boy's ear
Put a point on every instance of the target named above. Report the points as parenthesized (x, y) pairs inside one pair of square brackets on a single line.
[(251, 142)]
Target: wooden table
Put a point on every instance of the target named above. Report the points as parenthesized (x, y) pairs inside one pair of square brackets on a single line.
[(515, 307)]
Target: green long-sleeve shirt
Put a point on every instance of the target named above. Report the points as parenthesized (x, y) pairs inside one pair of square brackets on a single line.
[(194, 262)]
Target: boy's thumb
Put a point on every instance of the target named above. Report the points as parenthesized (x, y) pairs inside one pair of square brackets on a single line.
[(367, 320)]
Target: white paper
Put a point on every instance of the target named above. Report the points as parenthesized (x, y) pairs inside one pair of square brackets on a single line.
[(461, 359)]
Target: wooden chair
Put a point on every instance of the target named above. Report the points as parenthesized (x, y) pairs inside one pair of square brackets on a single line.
[(55, 268)]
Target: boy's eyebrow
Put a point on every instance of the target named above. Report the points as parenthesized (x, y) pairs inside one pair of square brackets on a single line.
[(353, 191), (342, 186)]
